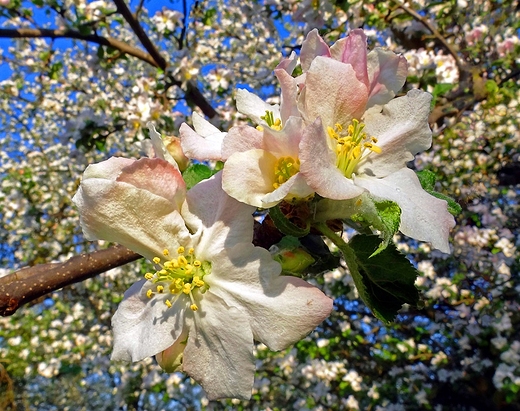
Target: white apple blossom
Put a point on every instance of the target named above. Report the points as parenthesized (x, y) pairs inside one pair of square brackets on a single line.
[(212, 293)]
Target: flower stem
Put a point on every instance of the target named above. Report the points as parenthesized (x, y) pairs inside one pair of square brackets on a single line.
[(348, 254)]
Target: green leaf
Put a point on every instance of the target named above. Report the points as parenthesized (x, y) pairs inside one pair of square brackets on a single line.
[(195, 173), (285, 225), (385, 281), (427, 179)]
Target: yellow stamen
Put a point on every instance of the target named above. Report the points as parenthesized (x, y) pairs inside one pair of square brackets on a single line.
[(166, 252), (284, 169), (148, 276), (160, 289), (180, 250), (156, 260), (149, 293), (168, 303), (351, 147), (194, 307)]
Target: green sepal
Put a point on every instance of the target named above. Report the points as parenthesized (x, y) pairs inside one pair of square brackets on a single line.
[(385, 281), (427, 179), (195, 173), (364, 214), (283, 224)]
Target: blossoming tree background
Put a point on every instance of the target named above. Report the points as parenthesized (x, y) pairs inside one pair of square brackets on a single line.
[(79, 82)]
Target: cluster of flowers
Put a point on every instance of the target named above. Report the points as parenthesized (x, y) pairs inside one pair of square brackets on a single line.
[(338, 134)]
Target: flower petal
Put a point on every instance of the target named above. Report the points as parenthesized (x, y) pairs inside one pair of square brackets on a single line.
[(249, 175), (156, 176), (296, 186), (144, 327), (221, 220), (423, 216), (281, 309), (242, 138), (203, 144), (402, 130), (219, 351), (332, 92), (387, 72), (318, 166), (253, 106), (289, 95), (286, 141), (159, 147), (312, 46), (113, 210), (353, 50), (288, 64)]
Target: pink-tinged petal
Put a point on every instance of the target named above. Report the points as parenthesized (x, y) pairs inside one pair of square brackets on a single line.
[(145, 326), (159, 147), (109, 169), (157, 176), (295, 187), (289, 95), (312, 46), (136, 218), (281, 309), (333, 92), (242, 138), (253, 106), (285, 142), (387, 73), (402, 130), (353, 50), (220, 220), (318, 166), (219, 352), (203, 144), (423, 216), (249, 175), (288, 64)]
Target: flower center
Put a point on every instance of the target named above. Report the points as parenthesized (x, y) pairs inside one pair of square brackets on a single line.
[(179, 276), (275, 124), (351, 146), (284, 169)]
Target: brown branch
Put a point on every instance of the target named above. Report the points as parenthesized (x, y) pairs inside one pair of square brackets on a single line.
[(140, 33), (72, 34), (30, 283)]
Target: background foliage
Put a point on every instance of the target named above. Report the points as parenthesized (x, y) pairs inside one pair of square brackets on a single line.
[(82, 88)]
